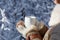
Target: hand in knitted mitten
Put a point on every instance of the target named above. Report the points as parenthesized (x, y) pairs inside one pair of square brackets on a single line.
[(42, 28), (20, 26)]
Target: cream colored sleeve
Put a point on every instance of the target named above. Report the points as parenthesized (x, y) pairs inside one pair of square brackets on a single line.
[(55, 16)]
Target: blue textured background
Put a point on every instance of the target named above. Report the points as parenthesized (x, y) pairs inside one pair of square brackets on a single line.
[(15, 10)]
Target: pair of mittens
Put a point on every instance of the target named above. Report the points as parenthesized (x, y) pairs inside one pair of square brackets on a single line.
[(41, 28), (23, 29)]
